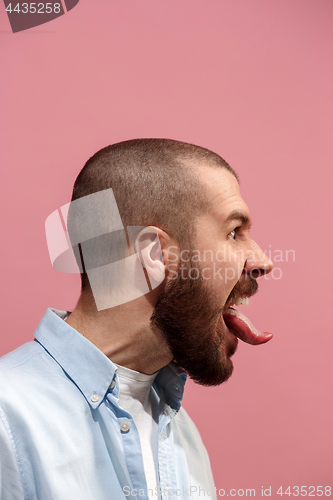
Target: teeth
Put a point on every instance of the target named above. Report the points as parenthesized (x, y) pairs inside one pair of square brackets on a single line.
[(242, 301)]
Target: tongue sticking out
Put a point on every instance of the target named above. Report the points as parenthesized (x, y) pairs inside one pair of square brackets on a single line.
[(241, 326)]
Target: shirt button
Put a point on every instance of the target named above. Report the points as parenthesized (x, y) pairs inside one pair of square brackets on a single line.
[(113, 383), (124, 427), (94, 398)]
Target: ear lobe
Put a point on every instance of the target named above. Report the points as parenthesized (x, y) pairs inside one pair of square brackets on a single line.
[(148, 248)]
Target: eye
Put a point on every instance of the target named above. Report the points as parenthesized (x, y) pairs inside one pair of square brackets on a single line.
[(233, 233)]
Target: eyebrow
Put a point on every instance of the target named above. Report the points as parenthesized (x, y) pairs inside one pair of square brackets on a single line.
[(236, 215)]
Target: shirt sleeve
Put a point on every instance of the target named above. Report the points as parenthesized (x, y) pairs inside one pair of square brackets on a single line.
[(11, 487)]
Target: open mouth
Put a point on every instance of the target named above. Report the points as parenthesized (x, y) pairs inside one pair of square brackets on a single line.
[(238, 324)]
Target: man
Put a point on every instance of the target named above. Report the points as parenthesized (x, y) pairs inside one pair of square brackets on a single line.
[(91, 409)]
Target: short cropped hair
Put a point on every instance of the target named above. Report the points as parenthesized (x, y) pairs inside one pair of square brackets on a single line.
[(153, 184)]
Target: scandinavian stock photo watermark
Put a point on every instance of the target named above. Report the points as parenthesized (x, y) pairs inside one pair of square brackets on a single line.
[(88, 236), (199, 492), (224, 264)]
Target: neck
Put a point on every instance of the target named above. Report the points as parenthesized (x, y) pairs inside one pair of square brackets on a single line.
[(123, 333)]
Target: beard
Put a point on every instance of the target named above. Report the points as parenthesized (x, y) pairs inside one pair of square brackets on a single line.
[(188, 315)]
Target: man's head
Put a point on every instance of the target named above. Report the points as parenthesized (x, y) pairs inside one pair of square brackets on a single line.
[(153, 182), (190, 198)]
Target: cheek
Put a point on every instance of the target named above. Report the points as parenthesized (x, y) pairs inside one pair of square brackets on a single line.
[(232, 273), (222, 276), (220, 268), (237, 258)]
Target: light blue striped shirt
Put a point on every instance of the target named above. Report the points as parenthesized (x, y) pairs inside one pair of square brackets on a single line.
[(61, 436)]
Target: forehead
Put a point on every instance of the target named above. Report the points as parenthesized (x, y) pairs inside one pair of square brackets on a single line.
[(223, 192)]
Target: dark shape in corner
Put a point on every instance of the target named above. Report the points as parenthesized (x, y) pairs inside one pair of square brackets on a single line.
[(70, 4), (23, 16)]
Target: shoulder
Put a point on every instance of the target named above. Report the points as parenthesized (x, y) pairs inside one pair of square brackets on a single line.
[(187, 438), (24, 373), (183, 418), (20, 356), (187, 429)]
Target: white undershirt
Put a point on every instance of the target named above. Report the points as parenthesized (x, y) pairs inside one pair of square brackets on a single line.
[(135, 397)]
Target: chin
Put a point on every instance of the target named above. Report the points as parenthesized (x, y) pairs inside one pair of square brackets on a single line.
[(214, 374)]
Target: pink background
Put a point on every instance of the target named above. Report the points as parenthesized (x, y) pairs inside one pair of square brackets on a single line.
[(249, 79)]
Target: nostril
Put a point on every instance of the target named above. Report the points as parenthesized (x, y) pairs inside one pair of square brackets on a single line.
[(256, 273)]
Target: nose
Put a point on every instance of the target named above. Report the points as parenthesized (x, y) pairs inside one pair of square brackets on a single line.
[(257, 263)]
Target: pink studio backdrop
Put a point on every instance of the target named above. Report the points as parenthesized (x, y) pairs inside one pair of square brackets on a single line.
[(249, 79)]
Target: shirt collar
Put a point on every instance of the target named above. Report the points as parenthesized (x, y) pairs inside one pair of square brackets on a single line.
[(89, 368), (171, 379), (81, 360)]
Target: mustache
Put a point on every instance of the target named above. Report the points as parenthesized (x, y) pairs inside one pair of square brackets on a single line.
[(245, 287)]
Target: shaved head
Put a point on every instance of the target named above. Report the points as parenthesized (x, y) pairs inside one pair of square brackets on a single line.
[(154, 182)]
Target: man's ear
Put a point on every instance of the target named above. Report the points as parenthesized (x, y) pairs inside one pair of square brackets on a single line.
[(147, 246)]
